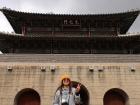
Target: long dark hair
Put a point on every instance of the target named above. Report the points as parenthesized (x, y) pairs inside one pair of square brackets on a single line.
[(62, 85)]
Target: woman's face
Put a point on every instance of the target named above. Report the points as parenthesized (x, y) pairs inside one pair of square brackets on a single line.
[(66, 81)]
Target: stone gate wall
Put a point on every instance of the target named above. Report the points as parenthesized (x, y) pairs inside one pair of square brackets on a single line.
[(16, 76)]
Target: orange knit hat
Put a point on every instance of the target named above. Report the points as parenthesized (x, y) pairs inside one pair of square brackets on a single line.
[(65, 76)]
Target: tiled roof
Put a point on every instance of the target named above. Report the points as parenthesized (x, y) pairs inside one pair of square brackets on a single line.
[(4, 9), (124, 19)]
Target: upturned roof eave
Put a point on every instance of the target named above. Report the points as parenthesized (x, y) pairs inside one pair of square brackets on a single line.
[(121, 16), (35, 13)]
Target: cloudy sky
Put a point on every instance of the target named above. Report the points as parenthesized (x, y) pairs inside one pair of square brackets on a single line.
[(70, 7)]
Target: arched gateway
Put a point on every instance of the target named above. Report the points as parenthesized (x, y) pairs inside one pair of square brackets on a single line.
[(84, 94), (115, 96), (27, 97)]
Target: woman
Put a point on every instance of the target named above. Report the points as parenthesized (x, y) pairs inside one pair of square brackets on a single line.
[(66, 94)]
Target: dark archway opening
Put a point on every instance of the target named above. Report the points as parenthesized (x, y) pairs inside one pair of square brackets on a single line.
[(115, 97), (84, 94), (27, 97)]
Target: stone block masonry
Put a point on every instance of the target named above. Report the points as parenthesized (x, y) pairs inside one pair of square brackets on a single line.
[(105, 76)]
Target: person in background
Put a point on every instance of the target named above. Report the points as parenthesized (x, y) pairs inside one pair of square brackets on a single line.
[(66, 94)]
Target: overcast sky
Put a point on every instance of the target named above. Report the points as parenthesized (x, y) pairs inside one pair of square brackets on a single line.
[(70, 7)]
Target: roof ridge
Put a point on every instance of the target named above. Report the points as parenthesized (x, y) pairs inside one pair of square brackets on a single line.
[(128, 11)]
